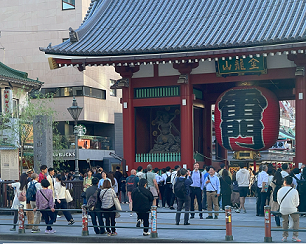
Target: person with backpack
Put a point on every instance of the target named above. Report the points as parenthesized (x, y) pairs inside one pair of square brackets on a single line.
[(142, 200), (33, 187), (168, 186), (182, 192), (60, 196), (196, 189), (94, 204), (44, 200), (276, 184), (174, 175), (131, 184), (212, 184), (20, 189), (288, 200)]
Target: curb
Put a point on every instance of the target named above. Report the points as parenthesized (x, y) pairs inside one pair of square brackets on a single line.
[(94, 239)]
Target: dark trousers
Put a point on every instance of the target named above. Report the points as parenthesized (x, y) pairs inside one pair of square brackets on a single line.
[(145, 218), (168, 194), (264, 196), (49, 218), (63, 205), (261, 202), (94, 215), (204, 201), (162, 193), (180, 202), (258, 201), (195, 192), (15, 217), (173, 197), (226, 200), (110, 218)]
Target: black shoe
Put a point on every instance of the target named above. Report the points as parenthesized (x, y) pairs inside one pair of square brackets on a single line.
[(186, 223), (257, 214), (172, 208), (201, 217), (71, 222), (209, 217), (138, 223), (177, 223), (216, 217), (192, 216)]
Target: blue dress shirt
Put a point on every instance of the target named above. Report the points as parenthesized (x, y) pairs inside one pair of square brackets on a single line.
[(214, 184)]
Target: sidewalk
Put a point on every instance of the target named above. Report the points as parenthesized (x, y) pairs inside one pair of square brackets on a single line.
[(246, 228)]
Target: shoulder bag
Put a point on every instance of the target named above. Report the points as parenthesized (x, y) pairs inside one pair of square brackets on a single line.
[(68, 196), (117, 206)]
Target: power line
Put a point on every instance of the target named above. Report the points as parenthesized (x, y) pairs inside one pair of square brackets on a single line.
[(28, 31)]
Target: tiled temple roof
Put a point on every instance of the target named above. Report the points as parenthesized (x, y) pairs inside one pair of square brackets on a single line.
[(137, 27)]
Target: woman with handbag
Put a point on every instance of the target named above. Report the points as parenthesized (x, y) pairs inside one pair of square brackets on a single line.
[(44, 200), (20, 189), (107, 196), (60, 196), (86, 183), (226, 190)]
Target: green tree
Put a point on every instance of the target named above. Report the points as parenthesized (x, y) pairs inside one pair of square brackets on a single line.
[(16, 128)]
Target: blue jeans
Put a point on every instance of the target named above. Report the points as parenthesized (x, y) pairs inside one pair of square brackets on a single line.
[(49, 218)]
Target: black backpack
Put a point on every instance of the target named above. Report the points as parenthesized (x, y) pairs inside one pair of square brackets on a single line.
[(93, 200), (31, 192), (301, 186), (168, 179), (180, 188), (131, 183)]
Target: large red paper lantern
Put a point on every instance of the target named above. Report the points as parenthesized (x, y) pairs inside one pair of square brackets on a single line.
[(247, 118)]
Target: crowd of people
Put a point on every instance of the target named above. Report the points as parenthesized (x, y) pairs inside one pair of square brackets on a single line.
[(282, 189)]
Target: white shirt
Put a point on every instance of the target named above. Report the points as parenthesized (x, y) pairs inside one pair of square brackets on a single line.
[(59, 191), (290, 202), (262, 177)]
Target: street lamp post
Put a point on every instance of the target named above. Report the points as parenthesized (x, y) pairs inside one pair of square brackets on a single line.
[(75, 112)]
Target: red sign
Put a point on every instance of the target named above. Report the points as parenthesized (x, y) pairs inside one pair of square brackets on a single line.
[(247, 118), (7, 101)]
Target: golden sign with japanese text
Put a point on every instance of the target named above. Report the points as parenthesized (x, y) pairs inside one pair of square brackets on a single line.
[(241, 66)]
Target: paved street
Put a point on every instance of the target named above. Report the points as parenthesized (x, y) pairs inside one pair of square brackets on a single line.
[(246, 228)]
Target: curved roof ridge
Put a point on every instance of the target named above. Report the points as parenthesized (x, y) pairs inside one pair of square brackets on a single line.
[(124, 27)]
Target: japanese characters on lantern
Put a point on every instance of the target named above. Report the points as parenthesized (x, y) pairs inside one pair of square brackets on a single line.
[(247, 118)]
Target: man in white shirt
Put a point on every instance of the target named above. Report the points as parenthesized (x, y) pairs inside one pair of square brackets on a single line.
[(262, 190), (288, 200), (243, 180)]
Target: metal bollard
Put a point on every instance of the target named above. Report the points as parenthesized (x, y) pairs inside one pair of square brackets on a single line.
[(154, 222), (268, 237), (21, 229), (85, 231), (228, 223)]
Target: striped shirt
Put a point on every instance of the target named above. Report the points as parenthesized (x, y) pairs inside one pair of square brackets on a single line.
[(107, 199)]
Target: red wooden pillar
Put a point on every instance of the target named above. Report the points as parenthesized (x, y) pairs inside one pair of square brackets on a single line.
[(187, 125), (300, 107), (300, 118), (128, 114), (186, 112), (207, 134), (128, 127)]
